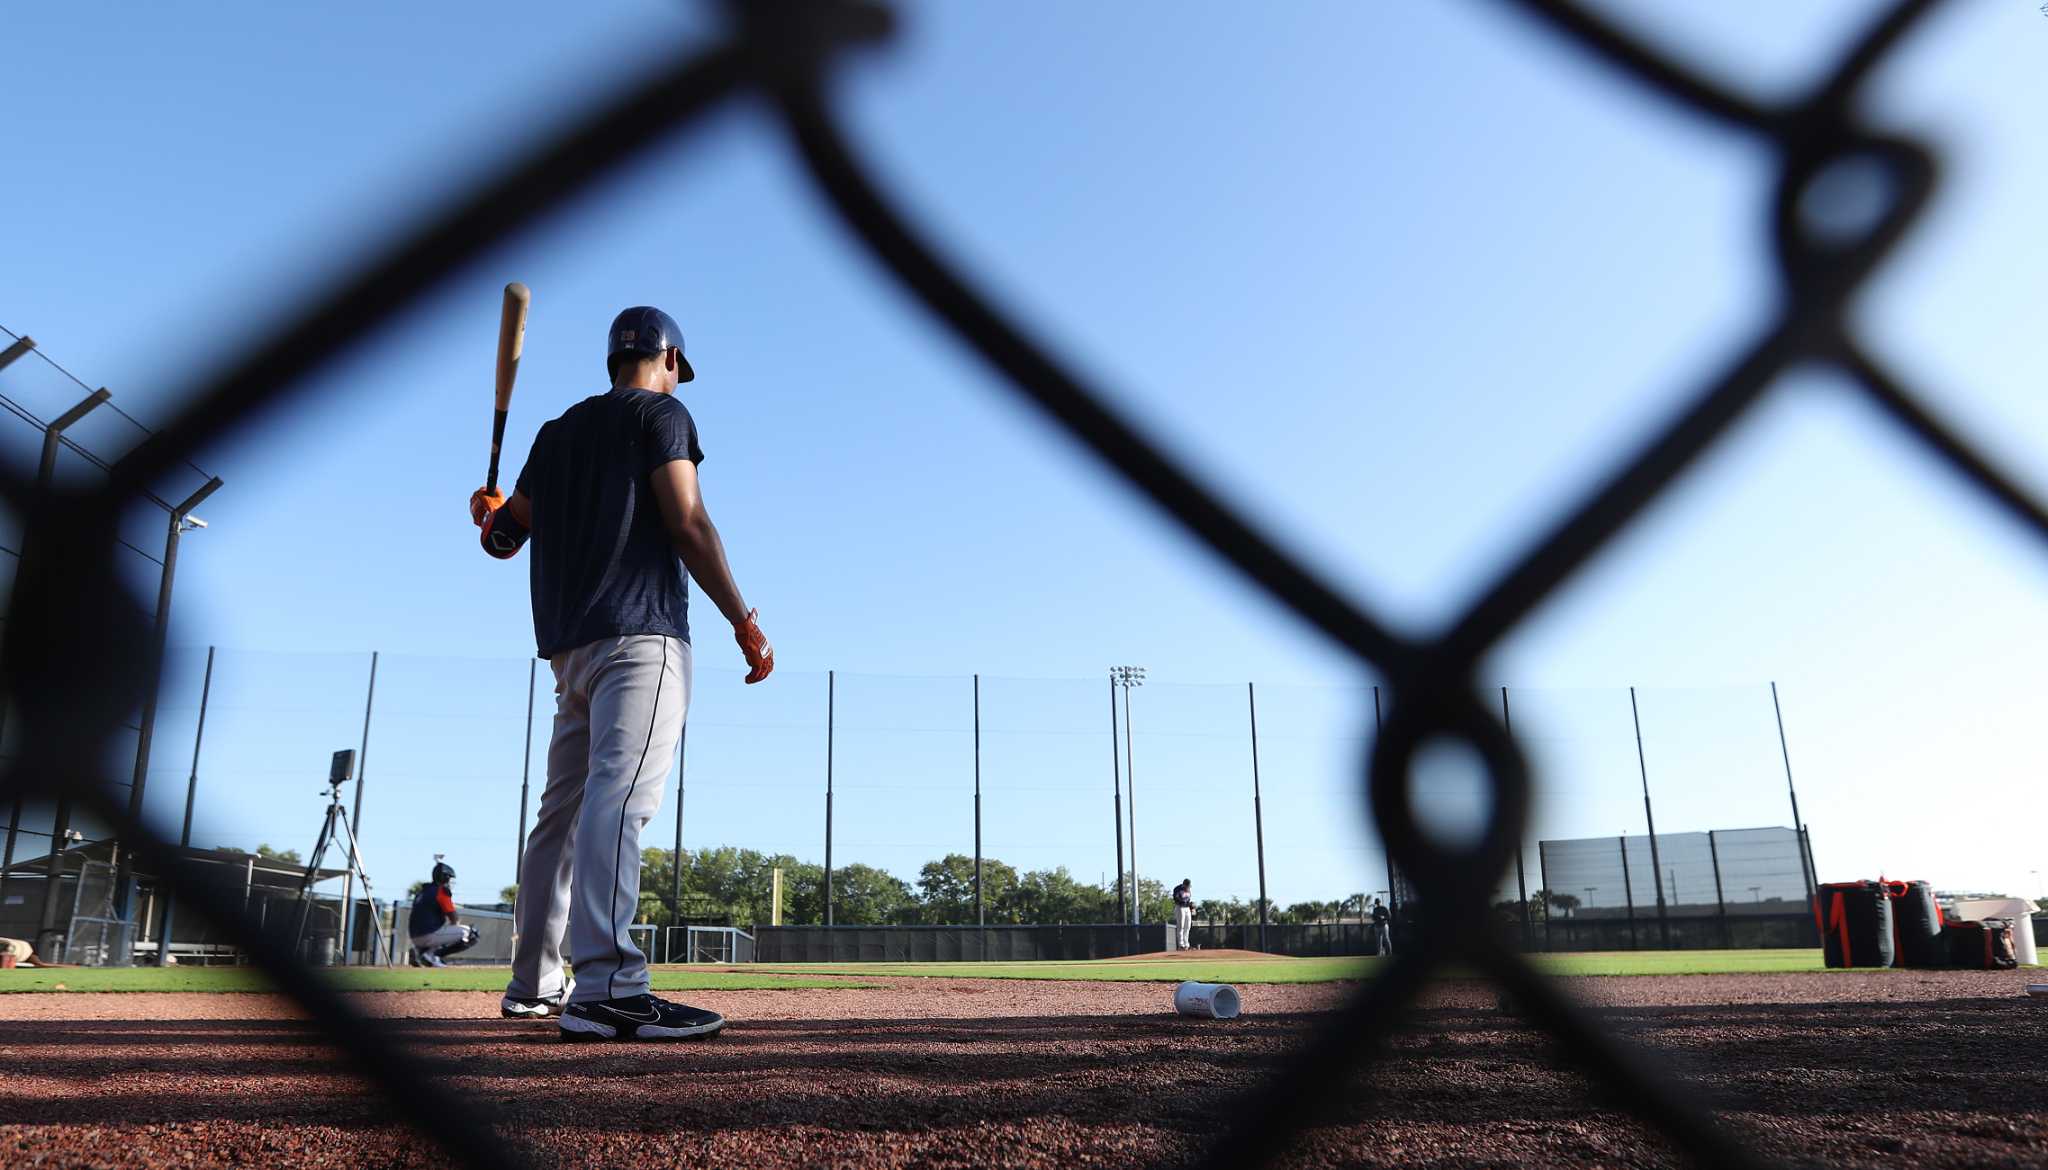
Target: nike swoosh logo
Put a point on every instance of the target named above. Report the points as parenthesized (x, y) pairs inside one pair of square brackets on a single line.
[(650, 1018)]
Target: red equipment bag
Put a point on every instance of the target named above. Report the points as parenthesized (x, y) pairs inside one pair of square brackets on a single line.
[(1855, 920), (1983, 946)]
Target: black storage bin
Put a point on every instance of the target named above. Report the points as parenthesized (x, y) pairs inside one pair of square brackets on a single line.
[(1855, 924), (1983, 946), (1916, 925)]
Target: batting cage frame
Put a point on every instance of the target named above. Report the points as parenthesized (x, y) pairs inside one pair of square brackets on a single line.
[(68, 592)]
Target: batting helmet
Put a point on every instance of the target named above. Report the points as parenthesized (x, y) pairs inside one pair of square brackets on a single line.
[(443, 873), (645, 331)]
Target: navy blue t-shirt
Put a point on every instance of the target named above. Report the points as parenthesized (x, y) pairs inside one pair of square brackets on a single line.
[(603, 566), (431, 907)]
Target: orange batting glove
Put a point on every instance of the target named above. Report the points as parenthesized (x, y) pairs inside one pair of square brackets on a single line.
[(483, 502), (754, 644)]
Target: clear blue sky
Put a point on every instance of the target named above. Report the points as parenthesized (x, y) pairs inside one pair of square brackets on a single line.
[(1399, 277)]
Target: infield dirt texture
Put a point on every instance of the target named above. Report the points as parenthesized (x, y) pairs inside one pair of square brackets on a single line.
[(1877, 1069)]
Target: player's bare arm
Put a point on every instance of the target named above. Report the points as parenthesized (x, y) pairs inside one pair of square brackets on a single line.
[(680, 496)]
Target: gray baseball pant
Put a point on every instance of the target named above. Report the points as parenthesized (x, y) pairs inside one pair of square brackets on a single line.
[(619, 708)]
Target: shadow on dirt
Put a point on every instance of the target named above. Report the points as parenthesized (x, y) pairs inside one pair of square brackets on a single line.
[(1779, 1069)]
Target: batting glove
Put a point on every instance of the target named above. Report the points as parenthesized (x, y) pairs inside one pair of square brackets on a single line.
[(754, 644), (483, 502)]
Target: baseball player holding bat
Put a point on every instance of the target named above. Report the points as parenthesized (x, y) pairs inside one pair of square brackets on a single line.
[(609, 496)]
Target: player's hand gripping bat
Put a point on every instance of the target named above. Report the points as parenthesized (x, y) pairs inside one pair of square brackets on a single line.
[(511, 343)]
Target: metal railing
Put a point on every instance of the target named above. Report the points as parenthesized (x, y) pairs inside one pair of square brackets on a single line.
[(66, 684)]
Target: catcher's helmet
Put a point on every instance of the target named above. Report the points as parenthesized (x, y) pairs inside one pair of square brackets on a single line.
[(443, 873), (645, 331)]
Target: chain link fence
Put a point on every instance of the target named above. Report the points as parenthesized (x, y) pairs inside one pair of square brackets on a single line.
[(70, 687)]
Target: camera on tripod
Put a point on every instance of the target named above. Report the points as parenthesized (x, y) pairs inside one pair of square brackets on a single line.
[(336, 830), (342, 768)]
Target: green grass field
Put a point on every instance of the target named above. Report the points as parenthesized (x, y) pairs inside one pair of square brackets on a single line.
[(1681, 962), (797, 976), (1284, 970), (1267, 970)]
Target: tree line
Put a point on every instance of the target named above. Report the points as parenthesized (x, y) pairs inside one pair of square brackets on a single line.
[(734, 885)]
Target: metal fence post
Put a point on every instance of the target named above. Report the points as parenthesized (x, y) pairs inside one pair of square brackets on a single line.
[(1807, 874), (1812, 881), (1507, 722), (163, 944), (831, 702), (1720, 899), (1656, 865), (355, 828), (1393, 880), (1258, 814), (675, 861), (525, 778), (980, 911), (46, 471), (153, 688), (1628, 891)]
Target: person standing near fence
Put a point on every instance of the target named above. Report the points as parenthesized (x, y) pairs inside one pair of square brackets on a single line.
[(610, 498), (1184, 911), (1382, 929)]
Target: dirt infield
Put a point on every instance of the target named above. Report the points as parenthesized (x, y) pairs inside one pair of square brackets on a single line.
[(1879, 1069)]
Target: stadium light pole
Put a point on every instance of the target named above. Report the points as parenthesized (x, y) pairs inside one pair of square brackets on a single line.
[(181, 522), (1123, 905), (1128, 677)]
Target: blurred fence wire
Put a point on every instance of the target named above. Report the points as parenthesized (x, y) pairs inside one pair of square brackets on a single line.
[(69, 693)]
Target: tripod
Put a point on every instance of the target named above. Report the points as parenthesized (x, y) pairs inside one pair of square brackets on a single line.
[(336, 826)]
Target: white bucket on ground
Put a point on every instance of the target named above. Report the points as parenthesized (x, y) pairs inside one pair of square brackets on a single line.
[(1213, 1001), (2018, 910)]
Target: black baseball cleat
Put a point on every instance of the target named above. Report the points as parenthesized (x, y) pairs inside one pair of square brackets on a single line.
[(519, 1007), (637, 1017)]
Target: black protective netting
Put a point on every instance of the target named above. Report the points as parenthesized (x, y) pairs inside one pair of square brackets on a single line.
[(1763, 869), (1700, 874), (75, 635)]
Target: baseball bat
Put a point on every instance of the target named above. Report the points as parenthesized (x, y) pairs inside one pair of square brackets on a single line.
[(511, 343)]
